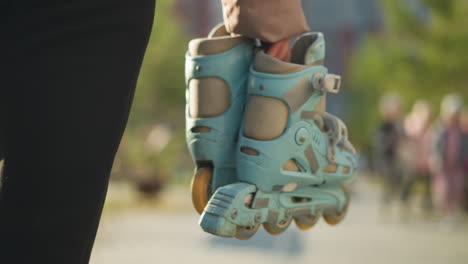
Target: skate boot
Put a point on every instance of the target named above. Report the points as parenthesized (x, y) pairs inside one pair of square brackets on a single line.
[(217, 69), (292, 158)]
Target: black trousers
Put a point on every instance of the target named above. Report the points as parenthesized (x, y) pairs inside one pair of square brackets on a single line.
[(68, 70)]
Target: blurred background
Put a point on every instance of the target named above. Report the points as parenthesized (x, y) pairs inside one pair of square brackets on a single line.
[(405, 70)]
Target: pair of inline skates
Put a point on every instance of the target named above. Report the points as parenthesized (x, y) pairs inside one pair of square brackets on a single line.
[(266, 152)]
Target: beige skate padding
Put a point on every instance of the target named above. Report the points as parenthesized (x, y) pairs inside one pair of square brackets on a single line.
[(299, 94), (331, 168), (265, 119), (268, 64), (201, 129), (250, 151), (208, 97), (311, 158), (301, 45), (269, 20), (291, 165), (309, 115), (204, 46), (346, 170)]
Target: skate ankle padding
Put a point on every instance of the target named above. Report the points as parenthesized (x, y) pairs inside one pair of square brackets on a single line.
[(309, 49), (266, 118), (268, 64), (207, 46), (218, 31), (208, 97)]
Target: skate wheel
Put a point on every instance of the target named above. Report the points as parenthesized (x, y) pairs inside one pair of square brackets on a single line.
[(278, 228), (336, 218), (245, 233), (201, 182), (306, 222)]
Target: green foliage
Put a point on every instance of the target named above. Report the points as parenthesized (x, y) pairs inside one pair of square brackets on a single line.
[(159, 99), (444, 8), (160, 91), (417, 58)]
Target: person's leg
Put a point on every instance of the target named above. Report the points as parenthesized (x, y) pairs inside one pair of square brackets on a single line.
[(408, 182), (407, 187), (67, 81), (465, 193), (427, 199)]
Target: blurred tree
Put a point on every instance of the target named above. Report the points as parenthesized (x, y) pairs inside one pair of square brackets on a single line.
[(146, 152), (160, 91), (415, 56)]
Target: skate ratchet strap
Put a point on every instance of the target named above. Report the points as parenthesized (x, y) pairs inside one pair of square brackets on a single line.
[(330, 83), (314, 116), (337, 135)]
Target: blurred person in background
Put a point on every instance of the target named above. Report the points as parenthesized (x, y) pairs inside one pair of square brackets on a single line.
[(387, 140), (447, 161), (415, 153), (69, 70), (464, 155)]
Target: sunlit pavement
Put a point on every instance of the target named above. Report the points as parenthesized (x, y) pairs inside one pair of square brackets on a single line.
[(147, 235)]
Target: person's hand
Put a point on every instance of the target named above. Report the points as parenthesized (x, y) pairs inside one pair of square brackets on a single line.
[(280, 50)]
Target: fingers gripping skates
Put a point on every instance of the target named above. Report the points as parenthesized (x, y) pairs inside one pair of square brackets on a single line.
[(292, 159), (216, 76)]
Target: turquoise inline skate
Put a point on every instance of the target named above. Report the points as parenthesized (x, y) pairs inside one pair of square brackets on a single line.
[(292, 158), (216, 73)]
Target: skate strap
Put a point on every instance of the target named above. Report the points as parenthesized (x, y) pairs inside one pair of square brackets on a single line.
[(337, 135), (330, 83), (336, 131), (316, 117)]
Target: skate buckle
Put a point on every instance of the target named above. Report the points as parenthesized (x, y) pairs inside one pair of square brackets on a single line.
[(330, 83)]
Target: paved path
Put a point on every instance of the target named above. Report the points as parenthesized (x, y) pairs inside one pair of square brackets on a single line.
[(148, 235)]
